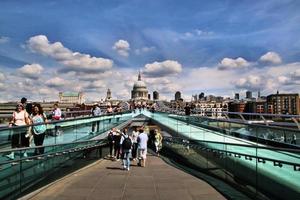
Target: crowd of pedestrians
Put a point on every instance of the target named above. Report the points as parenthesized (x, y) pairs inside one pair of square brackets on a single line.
[(33, 126), (32, 114), (131, 146)]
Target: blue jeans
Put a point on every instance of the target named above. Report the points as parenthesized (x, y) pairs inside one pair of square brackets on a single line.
[(126, 158)]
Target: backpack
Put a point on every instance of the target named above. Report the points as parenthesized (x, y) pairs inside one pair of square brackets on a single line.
[(127, 143), (110, 137)]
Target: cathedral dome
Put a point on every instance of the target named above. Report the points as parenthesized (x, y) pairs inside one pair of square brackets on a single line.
[(139, 90), (139, 84)]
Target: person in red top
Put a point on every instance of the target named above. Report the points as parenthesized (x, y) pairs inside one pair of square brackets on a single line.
[(56, 115)]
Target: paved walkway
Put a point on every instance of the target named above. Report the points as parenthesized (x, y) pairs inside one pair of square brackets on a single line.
[(105, 180)]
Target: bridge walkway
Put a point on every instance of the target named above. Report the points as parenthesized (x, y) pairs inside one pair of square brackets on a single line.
[(106, 180)]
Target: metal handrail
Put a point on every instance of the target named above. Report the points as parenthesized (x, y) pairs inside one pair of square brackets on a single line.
[(237, 122), (242, 145), (65, 120), (295, 165), (51, 153)]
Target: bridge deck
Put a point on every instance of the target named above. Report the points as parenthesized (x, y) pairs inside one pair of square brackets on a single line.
[(105, 180)]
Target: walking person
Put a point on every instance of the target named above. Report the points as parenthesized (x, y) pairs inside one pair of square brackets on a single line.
[(126, 145), (38, 117), (117, 146), (142, 147), (157, 141), (134, 137), (96, 111), (19, 139), (111, 141)]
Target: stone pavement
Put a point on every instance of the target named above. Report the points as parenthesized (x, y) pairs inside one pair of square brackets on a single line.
[(106, 180)]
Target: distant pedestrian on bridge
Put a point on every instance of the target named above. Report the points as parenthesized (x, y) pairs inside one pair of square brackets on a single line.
[(117, 145), (56, 115), (111, 141), (134, 136), (157, 141), (96, 111), (126, 146), (142, 147)]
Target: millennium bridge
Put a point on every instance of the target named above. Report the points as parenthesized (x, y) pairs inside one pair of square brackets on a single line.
[(201, 158)]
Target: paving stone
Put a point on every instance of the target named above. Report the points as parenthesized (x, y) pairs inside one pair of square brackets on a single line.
[(106, 180)]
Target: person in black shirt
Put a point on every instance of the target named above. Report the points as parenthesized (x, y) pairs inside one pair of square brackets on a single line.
[(27, 106), (117, 146)]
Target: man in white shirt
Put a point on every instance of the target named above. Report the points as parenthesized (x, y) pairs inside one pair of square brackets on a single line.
[(96, 111), (142, 146)]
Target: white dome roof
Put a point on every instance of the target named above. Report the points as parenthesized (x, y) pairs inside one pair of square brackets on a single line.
[(139, 84)]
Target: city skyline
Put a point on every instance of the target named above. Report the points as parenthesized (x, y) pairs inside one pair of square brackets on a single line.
[(217, 47)]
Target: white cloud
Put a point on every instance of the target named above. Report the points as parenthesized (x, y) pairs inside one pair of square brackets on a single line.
[(271, 57), (144, 50), (4, 39), (122, 47), (46, 91), (96, 84), (2, 86), (229, 63), (203, 33), (160, 69), (73, 61), (56, 82), (251, 82), (32, 71), (2, 76), (284, 80), (296, 75), (195, 35)]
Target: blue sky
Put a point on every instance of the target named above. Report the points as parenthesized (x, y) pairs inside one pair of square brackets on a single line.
[(218, 47)]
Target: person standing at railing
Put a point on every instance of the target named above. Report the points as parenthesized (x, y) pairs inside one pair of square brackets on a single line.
[(38, 117), (294, 139), (19, 139), (56, 115), (27, 106), (109, 109), (96, 111)]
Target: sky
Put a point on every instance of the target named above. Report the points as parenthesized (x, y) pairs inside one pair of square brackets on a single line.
[(216, 47)]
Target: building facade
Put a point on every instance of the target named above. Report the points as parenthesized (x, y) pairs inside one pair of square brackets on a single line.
[(108, 94), (248, 95), (155, 95), (177, 96), (284, 103), (237, 96), (71, 97)]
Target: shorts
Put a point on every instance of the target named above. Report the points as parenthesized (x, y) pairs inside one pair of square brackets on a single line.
[(143, 153)]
